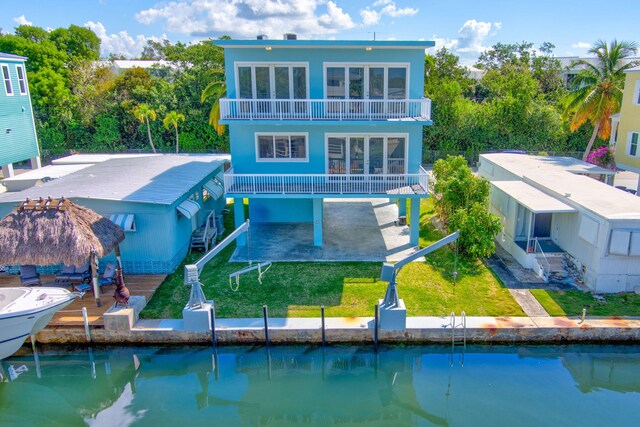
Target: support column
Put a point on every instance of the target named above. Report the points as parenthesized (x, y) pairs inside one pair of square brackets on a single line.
[(414, 227), (609, 179), (392, 200), (35, 162), (7, 171), (238, 215), (402, 207), (318, 215)]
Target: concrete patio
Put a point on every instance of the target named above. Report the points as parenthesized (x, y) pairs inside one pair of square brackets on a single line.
[(353, 230)]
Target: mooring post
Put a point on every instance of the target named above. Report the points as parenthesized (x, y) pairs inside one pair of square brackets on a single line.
[(265, 313), (36, 358), (324, 337), (375, 328), (85, 318), (212, 316)]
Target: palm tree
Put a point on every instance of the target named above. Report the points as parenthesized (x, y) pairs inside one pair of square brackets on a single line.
[(216, 89), (171, 119), (596, 91), (143, 113)]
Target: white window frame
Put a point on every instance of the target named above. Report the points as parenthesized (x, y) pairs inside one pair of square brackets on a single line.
[(636, 93), (6, 80), (367, 65), (272, 80), (22, 81), (366, 137), (282, 160), (629, 141)]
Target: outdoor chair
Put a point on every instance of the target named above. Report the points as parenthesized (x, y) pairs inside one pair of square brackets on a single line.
[(108, 278), (29, 276), (70, 273)]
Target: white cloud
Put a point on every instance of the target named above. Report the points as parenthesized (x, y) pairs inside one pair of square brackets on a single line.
[(369, 16), (21, 20), (471, 39), (120, 43), (582, 45), (392, 10), (381, 2), (248, 18)]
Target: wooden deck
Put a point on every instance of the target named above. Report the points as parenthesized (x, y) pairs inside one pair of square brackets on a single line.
[(139, 284)]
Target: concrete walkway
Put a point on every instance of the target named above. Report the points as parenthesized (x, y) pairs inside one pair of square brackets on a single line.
[(353, 230)]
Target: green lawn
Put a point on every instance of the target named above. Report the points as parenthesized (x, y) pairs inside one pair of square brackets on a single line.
[(571, 303), (344, 288)]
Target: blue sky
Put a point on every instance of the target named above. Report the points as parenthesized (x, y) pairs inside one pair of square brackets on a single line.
[(466, 27)]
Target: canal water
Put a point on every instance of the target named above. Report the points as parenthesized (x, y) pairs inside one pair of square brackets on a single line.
[(334, 386)]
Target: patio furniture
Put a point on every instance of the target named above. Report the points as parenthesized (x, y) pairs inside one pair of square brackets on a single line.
[(108, 278), (73, 274), (29, 276)]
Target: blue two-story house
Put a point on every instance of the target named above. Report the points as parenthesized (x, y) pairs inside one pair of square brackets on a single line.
[(18, 141), (316, 119)]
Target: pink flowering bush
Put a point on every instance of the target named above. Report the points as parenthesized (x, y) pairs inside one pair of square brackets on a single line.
[(602, 156)]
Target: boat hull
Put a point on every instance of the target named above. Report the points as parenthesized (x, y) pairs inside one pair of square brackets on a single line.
[(25, 312)]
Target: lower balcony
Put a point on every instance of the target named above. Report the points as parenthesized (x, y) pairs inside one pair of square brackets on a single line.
[(326, 184)]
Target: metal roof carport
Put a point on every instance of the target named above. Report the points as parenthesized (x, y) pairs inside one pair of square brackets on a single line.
[(532, 198)]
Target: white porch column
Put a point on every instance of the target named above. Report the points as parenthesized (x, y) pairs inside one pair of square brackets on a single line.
[(7, 171), (35, 162)]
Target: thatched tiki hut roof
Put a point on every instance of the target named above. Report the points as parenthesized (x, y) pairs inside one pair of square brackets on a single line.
[(48, 231)]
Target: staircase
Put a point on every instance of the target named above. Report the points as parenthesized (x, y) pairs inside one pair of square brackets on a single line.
[(556, 269), (205, 235)]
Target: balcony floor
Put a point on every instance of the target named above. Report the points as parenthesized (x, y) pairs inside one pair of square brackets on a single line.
[(353, 230)]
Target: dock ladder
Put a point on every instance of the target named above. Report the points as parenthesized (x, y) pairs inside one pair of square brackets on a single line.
[(458, 336)]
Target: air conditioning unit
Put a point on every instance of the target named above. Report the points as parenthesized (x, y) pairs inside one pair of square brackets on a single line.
[(290, 36)]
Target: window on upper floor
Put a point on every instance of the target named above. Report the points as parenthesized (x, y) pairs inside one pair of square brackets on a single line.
[(8, 89), (281, 147), (366, 81), (636, 93), (22, 80), (632, 144), (271, 81)]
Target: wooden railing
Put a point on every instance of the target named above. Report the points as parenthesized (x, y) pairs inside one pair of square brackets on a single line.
[(325, 109), (416, 183)]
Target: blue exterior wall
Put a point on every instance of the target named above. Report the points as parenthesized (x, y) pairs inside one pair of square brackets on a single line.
[(162, 235), (316, 58), (281, 210), (16, 114), (243, 146)]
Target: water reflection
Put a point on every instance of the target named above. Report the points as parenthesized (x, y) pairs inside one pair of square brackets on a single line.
[(322, 386)]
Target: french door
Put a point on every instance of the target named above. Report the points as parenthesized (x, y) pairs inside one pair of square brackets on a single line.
[(366, 154), (268, 83), (366, 82)]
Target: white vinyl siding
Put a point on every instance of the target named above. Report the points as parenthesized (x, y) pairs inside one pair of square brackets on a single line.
[(588, 230), (279, 147), (22, 79), (6, 77)]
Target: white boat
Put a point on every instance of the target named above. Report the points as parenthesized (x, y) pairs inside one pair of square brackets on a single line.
[(26, 311)]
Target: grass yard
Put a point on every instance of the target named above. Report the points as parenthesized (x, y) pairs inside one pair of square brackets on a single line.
[(344, 288), (571, 303)]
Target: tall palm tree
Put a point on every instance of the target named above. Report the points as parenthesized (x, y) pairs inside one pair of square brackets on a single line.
[(171, 119), (596, 91), (143, 113), (216, 89)]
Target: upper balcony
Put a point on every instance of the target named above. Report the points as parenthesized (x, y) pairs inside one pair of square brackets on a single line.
[(340, 110)]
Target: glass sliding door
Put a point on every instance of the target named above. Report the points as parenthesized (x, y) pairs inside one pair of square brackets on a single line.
[(356, 88), (395, 155), (282, 88), (299, 83), (356, 156), (263, 89), (337, 155), (376, 89), (397, 90), (376, 155)]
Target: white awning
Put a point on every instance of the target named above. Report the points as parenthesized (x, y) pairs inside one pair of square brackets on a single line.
[(188, 208), (214, 189), (532, 198), (125, 221)]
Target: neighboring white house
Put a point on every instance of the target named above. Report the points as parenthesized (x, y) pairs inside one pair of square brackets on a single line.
[(549, 207)]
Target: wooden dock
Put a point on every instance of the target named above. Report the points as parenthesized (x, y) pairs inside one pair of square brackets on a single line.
[(139, 284)]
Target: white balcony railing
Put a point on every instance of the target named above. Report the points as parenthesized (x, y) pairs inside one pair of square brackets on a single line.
[(391, 184), (325, 109)]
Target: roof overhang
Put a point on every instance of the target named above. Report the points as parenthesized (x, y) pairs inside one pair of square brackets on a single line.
[(346, 44), (532, 198)]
